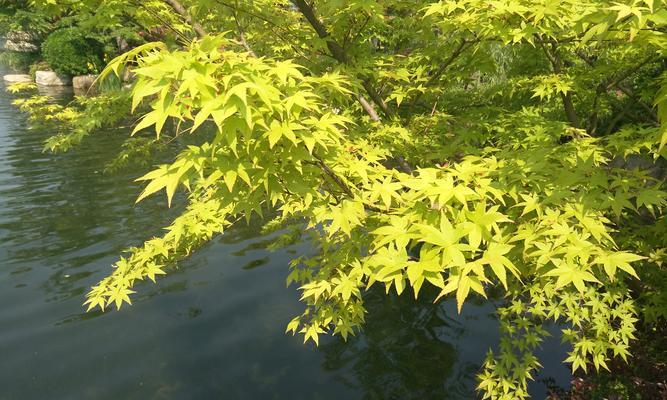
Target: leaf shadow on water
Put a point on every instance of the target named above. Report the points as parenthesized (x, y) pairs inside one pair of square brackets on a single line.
[(256, 263), (417, 349), (408, 349)]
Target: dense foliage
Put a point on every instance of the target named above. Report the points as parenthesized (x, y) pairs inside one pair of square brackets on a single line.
[(480, 147), (17, 15)]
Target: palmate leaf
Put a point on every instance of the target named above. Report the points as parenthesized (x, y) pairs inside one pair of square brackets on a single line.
[(621, 260), (494, 256), (118, 63), (119, 296), (428, 268), (400, 231), (444, 237), (571, 273), (166, 177)]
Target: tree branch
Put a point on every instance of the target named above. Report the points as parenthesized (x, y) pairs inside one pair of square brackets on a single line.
[(336, 50), (568, 105), (452, 57), (341, 56), (273, 26), (617, 81), (159, 18), (242, 38), (443, 67), (180, 10), (368, 108)]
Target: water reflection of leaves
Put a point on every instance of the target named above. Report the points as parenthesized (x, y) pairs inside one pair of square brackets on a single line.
[(258, 245), (170, 287), (20, 270), (67, 285), (256, 263), (266, 378), (401, 353), (242, 231), (79, 317), (191, 313)]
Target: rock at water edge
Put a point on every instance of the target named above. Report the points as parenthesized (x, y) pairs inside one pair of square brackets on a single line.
[(17, 78), (50, 78), (83, 83)]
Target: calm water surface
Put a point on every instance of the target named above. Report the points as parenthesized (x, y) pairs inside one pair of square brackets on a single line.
[(214, 327)]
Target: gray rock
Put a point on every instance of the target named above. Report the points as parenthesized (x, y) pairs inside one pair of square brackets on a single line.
[(50, 78), (17, 78), (20, 41), (22, 47), (83, 84)]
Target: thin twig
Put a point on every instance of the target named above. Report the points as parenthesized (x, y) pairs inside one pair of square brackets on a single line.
[(242, 38), (178, 7)]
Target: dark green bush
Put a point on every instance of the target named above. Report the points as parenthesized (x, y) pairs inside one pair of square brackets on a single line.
[(69, 52)]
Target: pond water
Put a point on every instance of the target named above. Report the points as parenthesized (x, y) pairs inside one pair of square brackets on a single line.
[(214, 327)]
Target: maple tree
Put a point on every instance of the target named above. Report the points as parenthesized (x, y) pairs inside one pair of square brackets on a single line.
[(463, 144)]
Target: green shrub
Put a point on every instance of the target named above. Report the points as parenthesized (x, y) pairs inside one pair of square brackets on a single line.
[(69, 52), (17, 61), (38, 66)]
